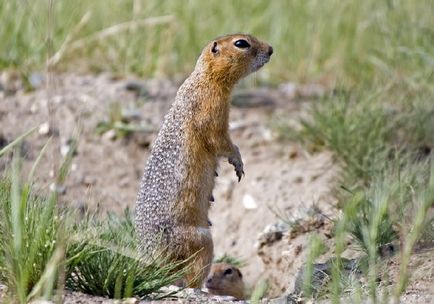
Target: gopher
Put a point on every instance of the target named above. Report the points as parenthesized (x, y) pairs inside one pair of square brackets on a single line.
[(173, 199), (225, 280)]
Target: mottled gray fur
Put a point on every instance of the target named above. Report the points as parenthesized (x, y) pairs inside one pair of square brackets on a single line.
[(164, 173)]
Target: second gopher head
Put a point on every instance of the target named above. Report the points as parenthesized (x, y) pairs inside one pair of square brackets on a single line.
[(225, 280), (232, 57)]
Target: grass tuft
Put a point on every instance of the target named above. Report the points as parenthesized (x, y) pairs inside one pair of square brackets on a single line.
[(43, 249), (104, 260), (29, 246)]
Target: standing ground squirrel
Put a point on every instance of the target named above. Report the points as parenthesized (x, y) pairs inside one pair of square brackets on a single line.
[(173, 199), (225, 280)]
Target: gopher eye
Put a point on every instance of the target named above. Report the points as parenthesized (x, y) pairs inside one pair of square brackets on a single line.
[(242, 44), (227, 272)]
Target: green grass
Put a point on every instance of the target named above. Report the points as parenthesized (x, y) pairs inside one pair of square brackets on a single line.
[(41, 245), (232, 260), (366, 130), (119, 124), (104, 260), (394, 208), (381, 41), (44, 249), (30, 245), (378, 122)]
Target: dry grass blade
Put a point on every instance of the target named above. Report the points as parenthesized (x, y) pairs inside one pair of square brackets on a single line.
[(44, 287), (52, 61), (425, 201), (107, 32), (16, 142), (37, 161)]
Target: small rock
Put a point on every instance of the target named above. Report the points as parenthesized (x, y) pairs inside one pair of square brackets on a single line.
[(41, 302), (34, 108), (60, 189), (128, 301), (223, 298), (109, 135), (272, 233), (266, 133), (249, 202), (286, 299), (68, 148), (64, 150), (74, 167), (278, 226), (237, 125), (44, 129), (131, 114), (289, 89), (36, 80), (195, 295), (170, 289), (84, 98)]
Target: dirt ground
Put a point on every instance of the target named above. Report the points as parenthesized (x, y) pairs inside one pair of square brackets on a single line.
[(282, 182)]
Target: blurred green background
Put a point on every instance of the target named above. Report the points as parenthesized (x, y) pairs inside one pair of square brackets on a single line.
[(314, 40)]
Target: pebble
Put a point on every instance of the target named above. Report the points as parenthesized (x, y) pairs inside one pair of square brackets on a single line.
[(66, 148), (44, 129), (36, 80), (109, 135), (131, 114), (249, 202), (58, 188), (41, 302), (127, 301), (289, 89)]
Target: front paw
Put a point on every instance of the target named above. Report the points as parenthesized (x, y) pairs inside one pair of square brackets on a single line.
[(237, 162)]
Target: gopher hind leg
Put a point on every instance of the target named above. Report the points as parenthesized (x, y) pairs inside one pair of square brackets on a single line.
[(195, 241)]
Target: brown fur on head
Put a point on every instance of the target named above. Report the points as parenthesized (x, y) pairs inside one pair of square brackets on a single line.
[(232, 57), (225, 280)]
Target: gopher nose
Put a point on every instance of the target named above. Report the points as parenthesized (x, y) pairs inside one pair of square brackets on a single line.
[(270, 51)]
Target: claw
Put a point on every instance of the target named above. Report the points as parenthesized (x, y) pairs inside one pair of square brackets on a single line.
[(240, 174), (215, 173), (211, 198)]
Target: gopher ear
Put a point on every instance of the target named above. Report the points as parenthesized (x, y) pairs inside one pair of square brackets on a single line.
[(214, 48)]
